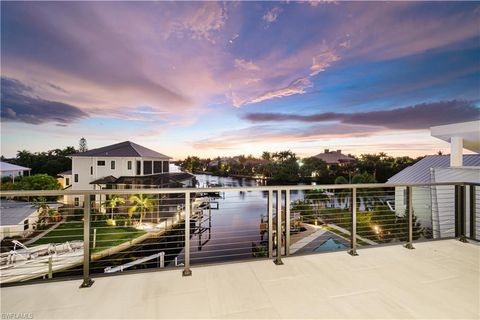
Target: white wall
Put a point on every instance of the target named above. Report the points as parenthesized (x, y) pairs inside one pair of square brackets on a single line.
[(18, 229), (82, 167), (12, 174), (443, 198), (422, 207)]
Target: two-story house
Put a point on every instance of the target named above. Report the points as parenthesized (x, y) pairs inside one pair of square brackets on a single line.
[(122, 165)]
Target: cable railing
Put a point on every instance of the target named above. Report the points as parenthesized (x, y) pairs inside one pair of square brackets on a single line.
[(65, 234)]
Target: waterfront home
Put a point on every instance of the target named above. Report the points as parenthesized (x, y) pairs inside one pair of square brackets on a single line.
[(335, 157), (434, 205), (121, 165), (12, 170), (17, 218)]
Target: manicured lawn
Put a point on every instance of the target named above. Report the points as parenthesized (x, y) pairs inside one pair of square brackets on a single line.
[(107, 236)]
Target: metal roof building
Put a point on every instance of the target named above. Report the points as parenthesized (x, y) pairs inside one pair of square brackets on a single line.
[(421, 171)]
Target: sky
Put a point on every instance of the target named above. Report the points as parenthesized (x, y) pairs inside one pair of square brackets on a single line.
[(228, 78)]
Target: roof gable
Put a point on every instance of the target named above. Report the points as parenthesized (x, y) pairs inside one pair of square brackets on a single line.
[(122, 149)]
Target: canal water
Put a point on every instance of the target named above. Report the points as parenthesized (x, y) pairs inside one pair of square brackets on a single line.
[(233, 229)]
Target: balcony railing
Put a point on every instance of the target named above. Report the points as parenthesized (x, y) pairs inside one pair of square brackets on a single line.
[(130, 230)]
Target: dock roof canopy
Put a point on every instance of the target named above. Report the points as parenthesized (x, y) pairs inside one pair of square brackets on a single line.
[(122, 149)]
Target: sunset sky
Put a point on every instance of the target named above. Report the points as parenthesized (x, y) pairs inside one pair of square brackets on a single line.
[(214, 78)]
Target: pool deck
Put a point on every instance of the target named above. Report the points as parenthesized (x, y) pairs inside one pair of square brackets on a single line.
[(439, 279)]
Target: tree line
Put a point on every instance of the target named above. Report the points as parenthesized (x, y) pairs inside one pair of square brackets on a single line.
[(286, 167)]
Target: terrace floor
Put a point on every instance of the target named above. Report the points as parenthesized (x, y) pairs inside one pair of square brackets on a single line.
[(439, 279)]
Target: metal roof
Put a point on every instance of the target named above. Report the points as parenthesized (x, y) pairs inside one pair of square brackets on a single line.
[(5, 166), (122, 149), (420, 171), (104, 180), (170, 179), (15, 212)]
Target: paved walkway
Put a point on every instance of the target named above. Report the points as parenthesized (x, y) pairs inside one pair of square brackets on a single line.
[(439, 279)]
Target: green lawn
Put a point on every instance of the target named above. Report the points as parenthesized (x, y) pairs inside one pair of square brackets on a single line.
[(107, 236)]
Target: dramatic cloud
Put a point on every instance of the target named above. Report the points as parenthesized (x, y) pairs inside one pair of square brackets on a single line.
[(420, 116), (296, 87), (202, 23), (19, 104), (273, 134), (322, 61), (172, 69), (272, 14)]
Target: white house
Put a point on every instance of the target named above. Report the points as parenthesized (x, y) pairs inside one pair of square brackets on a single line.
[(12, 170), (123, 164), (434, 206), (17, 218)]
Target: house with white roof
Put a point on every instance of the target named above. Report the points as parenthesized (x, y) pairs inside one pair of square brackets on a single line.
[(434, 206), (120, 165), (12, 170)]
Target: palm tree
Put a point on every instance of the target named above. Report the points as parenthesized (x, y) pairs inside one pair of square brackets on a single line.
[(141, 203), (112, 202), (43, 209)]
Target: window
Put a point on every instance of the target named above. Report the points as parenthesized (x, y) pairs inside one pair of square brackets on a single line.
[(67, 181), (101, 163), (139, 168), (147, 167), (25, 224), (91, 170), (112, 164), (129, 165), (75, 177), (76, 202), (157, 166), (166, 166)]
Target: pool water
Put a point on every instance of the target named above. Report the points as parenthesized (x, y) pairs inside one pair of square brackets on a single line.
[(330, 244)]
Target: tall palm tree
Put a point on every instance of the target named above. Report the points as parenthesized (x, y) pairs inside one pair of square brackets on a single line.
[(112, 202), (141, 203)]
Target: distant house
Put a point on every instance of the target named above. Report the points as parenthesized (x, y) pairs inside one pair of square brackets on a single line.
[(65, 179), (17, 218), (434, 206), (12, 170), (121, 165), (335, 158)]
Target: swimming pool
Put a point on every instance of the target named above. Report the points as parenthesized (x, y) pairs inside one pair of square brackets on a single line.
[(330, 244)]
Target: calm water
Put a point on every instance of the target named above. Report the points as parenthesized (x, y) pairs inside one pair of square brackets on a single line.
[(231, 230)]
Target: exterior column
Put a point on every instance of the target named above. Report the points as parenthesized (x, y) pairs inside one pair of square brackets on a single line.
[(456, 151)]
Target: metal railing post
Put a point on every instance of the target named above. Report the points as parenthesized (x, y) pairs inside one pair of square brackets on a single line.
[(186, 271), (270, 224), (473, 218), (278, 259), (409, 244), (353, 235), (287, 222), (87, 281), (460, 213)]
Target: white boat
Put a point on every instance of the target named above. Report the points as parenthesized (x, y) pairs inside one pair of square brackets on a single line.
[(23, 263)]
